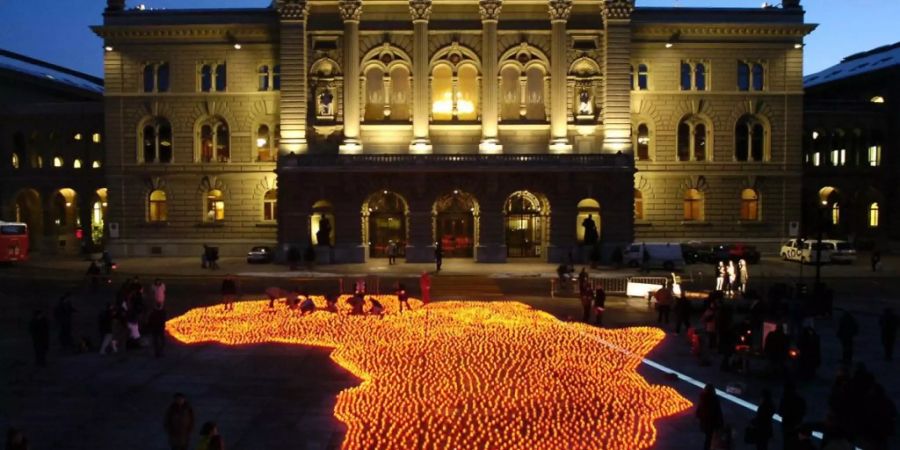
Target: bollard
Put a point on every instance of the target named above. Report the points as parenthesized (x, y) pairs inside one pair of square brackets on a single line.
[(552, 287)]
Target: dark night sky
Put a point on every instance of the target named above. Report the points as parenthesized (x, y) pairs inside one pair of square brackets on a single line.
[(57, 30)]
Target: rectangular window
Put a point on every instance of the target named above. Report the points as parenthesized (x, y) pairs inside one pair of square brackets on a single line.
[(743, 76), (838, 157), (149, 77), (686, 76), (221, 78), (874, 156), (270, 211), (206, 77), (162, 78), (816, 159), (643, 77), (758, 77), (700, 77)]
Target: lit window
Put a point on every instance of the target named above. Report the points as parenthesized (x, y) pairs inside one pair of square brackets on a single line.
[(95, 138), (215, 206), (816, 159), (270, 206), (76, 164), (214, 142), (158, 210), (692, 137), (643, 143), (77, 136), (838, 157), (749, 205), (15, 160), (57, 161), (877, 99), (835, 213), (95, 164), (875, 156), (264, 144), (156, 141), (873, 215), (638, 205), (693, 205), (749, 140)]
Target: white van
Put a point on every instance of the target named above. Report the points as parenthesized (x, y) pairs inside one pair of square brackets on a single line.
[(805, 252), (661, 255)]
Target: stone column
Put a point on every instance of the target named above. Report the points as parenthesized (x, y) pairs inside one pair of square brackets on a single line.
[(559, 14), (491, 227), (350, 12), (490, 14), (420, 10), (292, 26), (617, 83), (420, 248)]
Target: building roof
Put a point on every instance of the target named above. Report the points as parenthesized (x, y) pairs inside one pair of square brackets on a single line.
[(880, 58), (49, 73)]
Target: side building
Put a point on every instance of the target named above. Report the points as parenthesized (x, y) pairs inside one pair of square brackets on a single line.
[(852, 131), (52, 154), (497, 130)]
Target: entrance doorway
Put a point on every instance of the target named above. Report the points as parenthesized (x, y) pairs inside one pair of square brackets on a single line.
[(526, 224), (455, 224), (385, 215)]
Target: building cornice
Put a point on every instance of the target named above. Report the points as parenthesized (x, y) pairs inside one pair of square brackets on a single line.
[(688, 30), (187, 32)]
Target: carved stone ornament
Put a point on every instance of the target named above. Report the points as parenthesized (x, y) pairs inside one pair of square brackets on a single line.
[(350, 9), (618, 9), (560, 9), (292, 9), (420, 10), (490, 9)]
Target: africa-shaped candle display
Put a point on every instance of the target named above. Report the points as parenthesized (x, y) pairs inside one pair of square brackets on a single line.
[(465, 375)]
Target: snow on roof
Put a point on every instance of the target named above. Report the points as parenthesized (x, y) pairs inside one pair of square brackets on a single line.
[(44, 70), (870, 61)]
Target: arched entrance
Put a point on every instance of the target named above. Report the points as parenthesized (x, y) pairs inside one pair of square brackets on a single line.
[(65, 219), (527, 222), (321, 223), (98, 216), (384, 218), (456, 224), (588, 224), (29, 210)]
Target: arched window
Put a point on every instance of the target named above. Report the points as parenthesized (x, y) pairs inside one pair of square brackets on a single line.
[(700, 77), (874, 150), (76, 164), (321, 223), (442, 93), (750, 140), (270, 206), (693, 205), (149, 77), (511, 94), (15, 161), (638, 205), (749, 205), (873, 215), (215, 145), (835, 213), (467, 94), (156, 141), (265, 145), (221, 80), (157, 208), (400, 95), (95, 164), (215, 206), (838, 148), (162, 77), (759, 77), (96, 138), (588, 221), (642, 143), (685, 76), (643, 77), (534, 94), (693, 134), (374, 94), (743, 76), (263, 75), (57, 161), (206, 78)]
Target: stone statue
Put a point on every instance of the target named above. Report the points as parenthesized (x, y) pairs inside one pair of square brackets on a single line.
[(590, 230), (326, 99), (323, 236), (584, 103)]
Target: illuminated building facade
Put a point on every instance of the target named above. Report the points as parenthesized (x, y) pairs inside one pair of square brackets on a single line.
[(495, 128)]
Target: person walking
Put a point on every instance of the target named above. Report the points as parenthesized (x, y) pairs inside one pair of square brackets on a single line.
[(847, 330), (229, 292), (64, 312), (105, 328), (599, 304), (40, 337), (157, 325), (438, 255), (709, 413), (682, 313), (159, 291), (792, 409), (760, 430), (179, 422), (888, 323), (663, 304)]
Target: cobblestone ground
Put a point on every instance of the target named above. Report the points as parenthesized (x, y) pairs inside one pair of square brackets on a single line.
[(271, 396)]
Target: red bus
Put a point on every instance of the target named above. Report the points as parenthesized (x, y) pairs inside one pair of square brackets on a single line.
[(13, 241)]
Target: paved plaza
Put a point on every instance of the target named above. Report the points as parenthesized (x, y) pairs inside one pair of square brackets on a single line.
[(266, 395)]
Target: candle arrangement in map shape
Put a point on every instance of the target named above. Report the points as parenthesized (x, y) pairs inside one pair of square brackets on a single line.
[(466, 375)]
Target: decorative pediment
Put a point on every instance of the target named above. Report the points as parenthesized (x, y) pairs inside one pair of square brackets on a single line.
[(642, 184), (697, 182), (266, 184), (155, 184), (211, 182)]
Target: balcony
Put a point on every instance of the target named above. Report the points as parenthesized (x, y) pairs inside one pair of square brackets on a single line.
[(457, 162)]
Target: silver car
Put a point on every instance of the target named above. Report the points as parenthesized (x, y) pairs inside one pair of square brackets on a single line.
[(841, 251)]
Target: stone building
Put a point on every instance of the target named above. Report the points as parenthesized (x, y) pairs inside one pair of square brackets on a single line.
[(499, 130), (850, 149), (52, 154)]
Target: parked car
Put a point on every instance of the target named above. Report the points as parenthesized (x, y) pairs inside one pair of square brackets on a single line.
[(665, 255), (260, 255), (697, 252), (804, 251), (841, 251), (735, 252)]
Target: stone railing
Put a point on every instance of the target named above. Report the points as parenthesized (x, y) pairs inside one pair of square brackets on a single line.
[(467, 162)]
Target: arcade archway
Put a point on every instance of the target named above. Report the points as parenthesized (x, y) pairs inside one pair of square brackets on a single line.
[(456, 224), (385, 217), (527, 224), (29, 210)]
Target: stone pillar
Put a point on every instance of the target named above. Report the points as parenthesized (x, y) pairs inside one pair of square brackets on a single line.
[(559, 127), (617, 82), (490, 14), (491, 229), (350, 12), (420, 248), (348, 228), (420, 10), (292, 26), (562, 232)]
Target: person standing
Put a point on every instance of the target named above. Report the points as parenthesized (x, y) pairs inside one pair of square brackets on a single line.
[(229, 292), (761, 425), (792, 410), (730, 278), (425, 287), (179, 422), (438, 255), (157, 325), (720, 276), (159, 292), (876, 260), (391, 252), (847, 330), (682, 312), (403, 297), (64, 312), (587, 300), (599, 304), (888, 323), (709, 413), (744, 272), (40, 337), (663, 304), (105, 327)]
